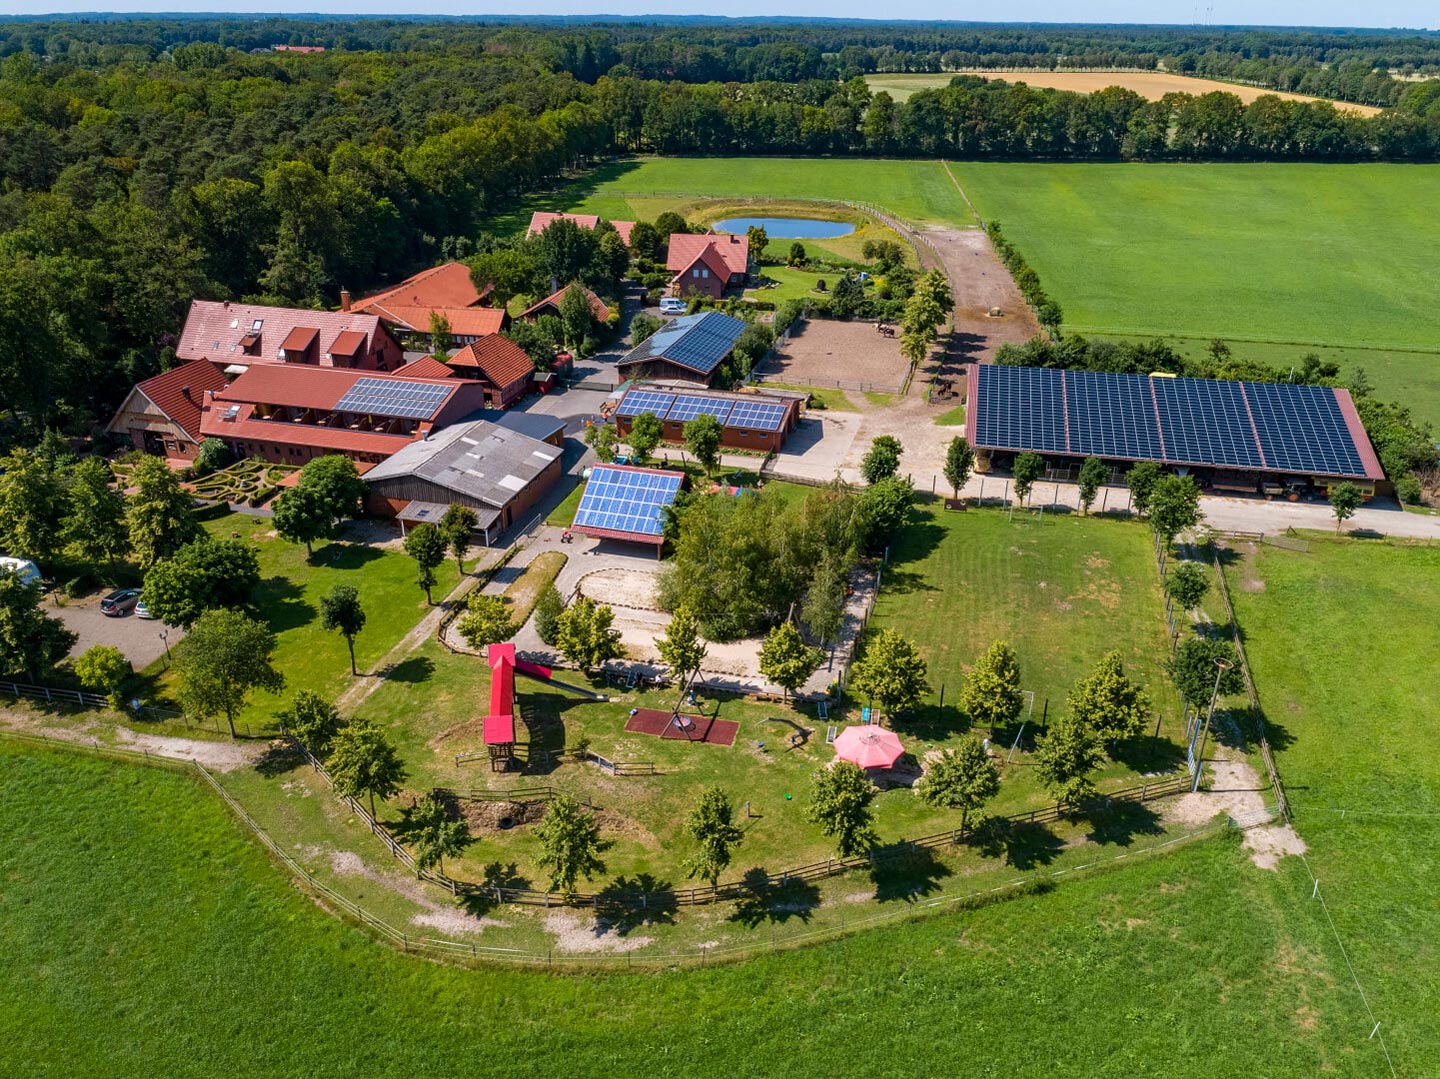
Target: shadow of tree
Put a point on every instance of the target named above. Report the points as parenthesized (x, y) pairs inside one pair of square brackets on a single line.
[(412, 670), (1120, 822), (1022, 844), (282, 604), (774, 903), (1147, 754), (339, 555), (494, 875), (279, 757), (627, 903), (907, 873)]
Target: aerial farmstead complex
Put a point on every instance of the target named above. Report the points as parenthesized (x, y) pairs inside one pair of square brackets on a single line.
[(944, 520)]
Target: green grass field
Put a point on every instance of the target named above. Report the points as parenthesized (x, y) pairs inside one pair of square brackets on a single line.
[(1335, 255), (157, 939), (642, 188), (1342, 644)]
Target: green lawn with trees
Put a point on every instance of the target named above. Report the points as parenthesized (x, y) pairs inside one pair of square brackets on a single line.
[(1147, 965), (1332, 255), (1341, 641)]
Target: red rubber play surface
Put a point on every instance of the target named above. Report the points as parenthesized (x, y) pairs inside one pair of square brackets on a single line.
[(718, 732)]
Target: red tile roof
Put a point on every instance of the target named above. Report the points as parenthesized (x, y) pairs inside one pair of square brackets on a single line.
[(685, 248), (498, 360), (464, 321), (446, 285), (244, 427), (426, 367), (347, 343), (711, 260), (302, 337), (167, 393), (302, 386), (540, 221), (597, 305), (213, 331)]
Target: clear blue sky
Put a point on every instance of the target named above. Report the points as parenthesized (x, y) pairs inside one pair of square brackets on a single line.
[(1420, 14)]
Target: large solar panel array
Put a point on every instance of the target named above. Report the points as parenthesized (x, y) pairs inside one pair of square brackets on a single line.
[(698, 342), (1239, 425), (749, 415), (624, 500), (392, 397), (687, 407), (757, 416)]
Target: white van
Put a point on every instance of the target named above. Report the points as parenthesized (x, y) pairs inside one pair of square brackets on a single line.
[(673, 305), (27, 571)]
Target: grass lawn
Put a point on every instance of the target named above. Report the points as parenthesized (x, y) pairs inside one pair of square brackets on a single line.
[(954, 417), (1332, 255), (1145, 968), (642, 188), (831, 399), (1062, 590), (1341, 641), (288, 599)]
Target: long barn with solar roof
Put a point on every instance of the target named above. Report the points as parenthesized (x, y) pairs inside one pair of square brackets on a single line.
[(1230, 435), (748, 421)]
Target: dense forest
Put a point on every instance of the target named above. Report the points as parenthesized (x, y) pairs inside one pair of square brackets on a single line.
[(145, 162)]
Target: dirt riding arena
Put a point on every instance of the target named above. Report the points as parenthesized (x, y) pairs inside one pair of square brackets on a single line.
[(851, 355)]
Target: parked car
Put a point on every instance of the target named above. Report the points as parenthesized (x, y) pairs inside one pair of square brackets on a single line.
[(673, 305), (120, 602), (142, 611)]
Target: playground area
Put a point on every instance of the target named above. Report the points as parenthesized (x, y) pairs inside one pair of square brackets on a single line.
[(689, 726)]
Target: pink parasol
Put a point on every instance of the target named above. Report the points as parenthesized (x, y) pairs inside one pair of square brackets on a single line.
[(869, 747)]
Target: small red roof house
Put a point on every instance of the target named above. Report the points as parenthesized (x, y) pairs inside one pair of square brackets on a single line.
[(500, 364), (707, 264), (291, 414), (236, 336), (426, 367), (161, 415), (550, 305), (540, 221)]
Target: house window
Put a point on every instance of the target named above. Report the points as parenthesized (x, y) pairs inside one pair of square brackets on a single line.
[(704, 273), (257, 324)]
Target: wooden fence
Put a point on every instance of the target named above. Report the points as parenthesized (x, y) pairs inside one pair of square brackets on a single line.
[(57, 695)]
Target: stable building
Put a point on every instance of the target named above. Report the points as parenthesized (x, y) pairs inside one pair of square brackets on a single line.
[(690, 348), (238, 336), (500, 365), (161, 416), (748, 421), (622, 502), (289, 415), (498, 472), (1232, 436)]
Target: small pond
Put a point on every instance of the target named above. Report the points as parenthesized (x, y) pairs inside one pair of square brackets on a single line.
[(787, 228)]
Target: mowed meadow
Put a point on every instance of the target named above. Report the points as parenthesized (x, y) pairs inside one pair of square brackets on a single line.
[(158, 939)]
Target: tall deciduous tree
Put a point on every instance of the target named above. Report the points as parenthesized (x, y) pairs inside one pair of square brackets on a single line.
[(963, 778), (201, 576), (95, 526), (1028, 468), (426, 545), (1141, 479), (891, 673), (440, 338), (1174, 506), (341, 612), (548, 609), (225, 656), (959, 461), (824, 608), (576, 315), (104, 668), (569, 843), (458, 526), (1345, 499), (435, 833), (32, 506), (159, 515), (585, 636), (646, 431), (302, 515), (313, 721), (1109, 703), (1186, 584), (31, 642), (786, 659), (337, 483), (1092, 477), (1194, 668), (702, 439), (882, 459), (992, 691), (486, 620), (362, 761), (840, 805), (1066, 758), (602, 438), (681, 647), (712, 826)]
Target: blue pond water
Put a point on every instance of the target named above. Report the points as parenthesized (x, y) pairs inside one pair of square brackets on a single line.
[(787, 228)]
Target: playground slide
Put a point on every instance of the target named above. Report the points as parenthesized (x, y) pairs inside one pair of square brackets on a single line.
[(545, 674)]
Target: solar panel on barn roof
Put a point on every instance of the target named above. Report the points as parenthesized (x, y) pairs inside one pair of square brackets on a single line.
[(1301, 428), (757, 416), (636, 402), (407, 400), (625, 500), (687, 407)]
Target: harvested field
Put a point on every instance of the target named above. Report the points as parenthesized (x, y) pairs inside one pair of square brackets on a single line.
[(851, 355), (1151, 85)]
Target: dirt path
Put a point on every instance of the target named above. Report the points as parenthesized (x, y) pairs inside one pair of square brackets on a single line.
[(217, 756), (1236, 790)]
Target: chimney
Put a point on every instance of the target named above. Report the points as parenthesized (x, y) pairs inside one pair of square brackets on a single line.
[(344, 299)]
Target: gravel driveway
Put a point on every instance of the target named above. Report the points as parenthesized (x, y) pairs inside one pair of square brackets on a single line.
[(138, 638)]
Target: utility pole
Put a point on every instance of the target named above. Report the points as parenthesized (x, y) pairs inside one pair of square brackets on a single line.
[(1221, 666)]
